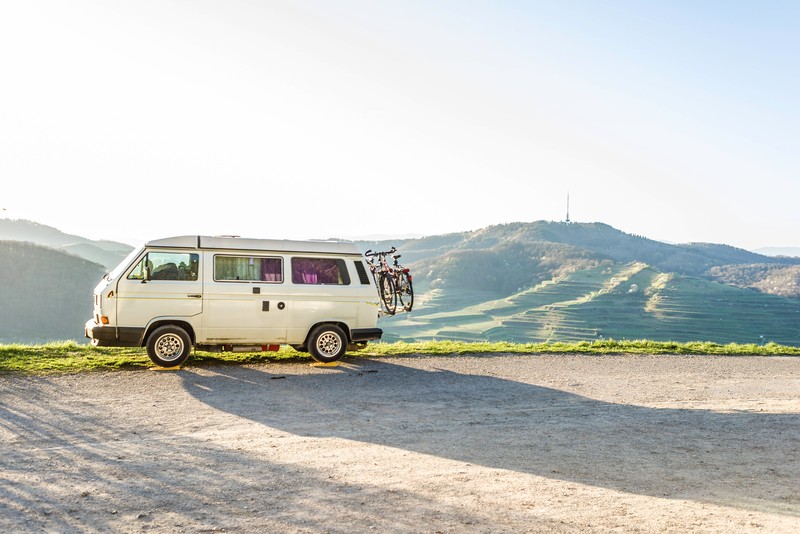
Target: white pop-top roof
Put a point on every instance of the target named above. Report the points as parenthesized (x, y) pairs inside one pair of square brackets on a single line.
[(260, 245)]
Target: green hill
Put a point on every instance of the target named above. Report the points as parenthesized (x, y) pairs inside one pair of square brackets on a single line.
[(45, 294), (532, 252), (546, 281)]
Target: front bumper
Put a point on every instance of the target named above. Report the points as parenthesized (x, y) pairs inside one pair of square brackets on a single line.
[(100, 332), (111, 336)]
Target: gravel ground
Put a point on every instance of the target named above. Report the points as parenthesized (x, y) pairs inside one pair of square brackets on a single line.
[(481, 443)]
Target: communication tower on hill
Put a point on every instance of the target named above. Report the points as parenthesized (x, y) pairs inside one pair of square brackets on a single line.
[(567, 219)]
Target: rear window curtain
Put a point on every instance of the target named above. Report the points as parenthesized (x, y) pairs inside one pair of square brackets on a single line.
[(319, 271), (248, 268)]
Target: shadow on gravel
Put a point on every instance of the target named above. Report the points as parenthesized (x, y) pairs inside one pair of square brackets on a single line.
[(67, 465), (743, 459)]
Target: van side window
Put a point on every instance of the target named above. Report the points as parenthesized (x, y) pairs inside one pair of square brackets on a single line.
[(248, 269), (319, 271), (166, 266), (362, 272)]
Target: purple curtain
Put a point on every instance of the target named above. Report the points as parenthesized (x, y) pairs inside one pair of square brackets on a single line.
[(271, 270), (315, 271)]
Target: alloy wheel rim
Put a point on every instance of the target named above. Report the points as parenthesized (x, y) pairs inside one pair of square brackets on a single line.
[(169, 347), (329, 344)]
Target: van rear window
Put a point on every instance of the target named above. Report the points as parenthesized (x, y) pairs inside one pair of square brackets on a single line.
[(362, 272), (248, 269), (319, 271)]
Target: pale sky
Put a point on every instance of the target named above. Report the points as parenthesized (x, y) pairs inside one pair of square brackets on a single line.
[(676, 120)]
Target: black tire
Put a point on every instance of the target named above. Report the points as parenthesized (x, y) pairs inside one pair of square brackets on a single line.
[(169, 346), (387, 292), (405, 291), (327, 343)]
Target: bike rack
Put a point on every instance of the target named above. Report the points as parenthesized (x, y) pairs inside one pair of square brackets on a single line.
[(393, 270)]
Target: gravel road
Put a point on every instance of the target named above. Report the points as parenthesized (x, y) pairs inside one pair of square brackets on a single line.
[(484, 443)]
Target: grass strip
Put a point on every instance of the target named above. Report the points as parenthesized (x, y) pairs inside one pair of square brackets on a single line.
[(607, 346), (70, 357)]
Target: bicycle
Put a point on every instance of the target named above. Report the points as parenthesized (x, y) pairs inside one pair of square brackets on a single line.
[(402, 284), (394, 281), (384, 278)]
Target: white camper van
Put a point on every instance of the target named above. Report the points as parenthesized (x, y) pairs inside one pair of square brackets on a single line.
[(234, 294)]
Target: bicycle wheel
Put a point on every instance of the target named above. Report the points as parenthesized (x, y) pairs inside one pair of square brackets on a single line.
[(387, 291), (405, 291)]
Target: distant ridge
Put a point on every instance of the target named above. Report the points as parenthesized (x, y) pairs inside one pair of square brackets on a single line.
[(106, 253), (599, 239), (792, 252)]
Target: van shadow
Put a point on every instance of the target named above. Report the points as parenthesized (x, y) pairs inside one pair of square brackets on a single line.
[(72, 465), (741, 459)]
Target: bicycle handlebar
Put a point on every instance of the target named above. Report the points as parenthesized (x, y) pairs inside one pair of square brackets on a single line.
[(370, 253)]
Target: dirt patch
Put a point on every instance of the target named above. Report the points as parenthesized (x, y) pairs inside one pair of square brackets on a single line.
[(415, 444)]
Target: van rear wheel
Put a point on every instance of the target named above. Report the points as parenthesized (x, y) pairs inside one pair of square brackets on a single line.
[(327, 343), (169, 346)]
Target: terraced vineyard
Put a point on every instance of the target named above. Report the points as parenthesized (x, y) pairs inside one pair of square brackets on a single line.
[(625, 301)]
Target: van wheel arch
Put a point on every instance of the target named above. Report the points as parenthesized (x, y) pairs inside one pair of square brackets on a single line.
[(343, 326), (327, 342), (158, 324), (162, 338)]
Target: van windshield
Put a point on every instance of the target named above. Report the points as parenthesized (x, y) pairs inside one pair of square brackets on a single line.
[(124, 264)]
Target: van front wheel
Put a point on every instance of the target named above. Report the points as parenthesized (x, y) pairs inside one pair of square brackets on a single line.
[(169, 346), (327, 343)]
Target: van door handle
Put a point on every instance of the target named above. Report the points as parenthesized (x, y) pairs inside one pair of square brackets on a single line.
[(195, 296)]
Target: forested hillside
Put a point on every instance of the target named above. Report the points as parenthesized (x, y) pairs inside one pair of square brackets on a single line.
[(526, 253), (45, 294), (773, 279)]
